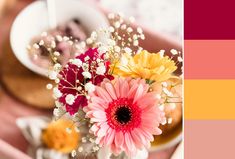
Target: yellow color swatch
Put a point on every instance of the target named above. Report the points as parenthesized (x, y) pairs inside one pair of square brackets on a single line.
[(209, 99)]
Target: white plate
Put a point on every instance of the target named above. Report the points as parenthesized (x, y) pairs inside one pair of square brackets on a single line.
[(33, 20)]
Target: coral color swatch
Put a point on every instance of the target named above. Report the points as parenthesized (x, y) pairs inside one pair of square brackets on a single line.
[(209, 59)]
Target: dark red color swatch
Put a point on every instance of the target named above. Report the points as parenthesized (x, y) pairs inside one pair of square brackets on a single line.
[(209, 19)]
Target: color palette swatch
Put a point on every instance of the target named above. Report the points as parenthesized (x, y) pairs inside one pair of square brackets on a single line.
[(209, 55)]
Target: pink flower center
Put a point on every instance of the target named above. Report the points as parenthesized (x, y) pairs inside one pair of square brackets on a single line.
[(123, 115)]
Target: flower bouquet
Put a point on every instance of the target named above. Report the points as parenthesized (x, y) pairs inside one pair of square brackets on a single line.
[(114, 90)]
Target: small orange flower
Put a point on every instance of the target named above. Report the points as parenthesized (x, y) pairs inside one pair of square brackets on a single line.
[(56, 137)]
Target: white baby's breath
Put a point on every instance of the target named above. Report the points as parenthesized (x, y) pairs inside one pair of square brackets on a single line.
[(111, 29), (57, 80), (86, 58), (77, 62), (58, 112), (142, 36), (79, 88), (100, 70), (95, 148), (164, 121), (56, 92), (117, 24), (59, 38), (65, 38), (135, 42), (89, 87), (52, 75), (162, 52), (135, 37), (58, 104), (56, 53), (117, 49), (70, 99), (36, 46), (111, 42), (49, 86), (57, 66), (180, 59), (173, 52), (167, 92), (73, 153), (102, 49), (94, 35), (80, 149), (123, 27), (84, 140), (129, 30), (41, 42), (53, 44), (139, 30), (89, 41), (128, 50), (86, 74), (76, 129), (169, 120)]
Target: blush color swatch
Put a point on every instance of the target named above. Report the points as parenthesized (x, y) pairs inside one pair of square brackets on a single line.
[(209, 139)]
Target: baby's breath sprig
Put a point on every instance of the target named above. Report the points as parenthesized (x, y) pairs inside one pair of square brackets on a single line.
[(55, 49), (168, 96), (124, 35), (119, 38)]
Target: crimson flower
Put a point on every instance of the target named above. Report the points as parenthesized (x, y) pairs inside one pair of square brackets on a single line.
[(89, 67)]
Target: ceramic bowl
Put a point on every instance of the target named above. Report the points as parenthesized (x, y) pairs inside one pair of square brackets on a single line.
[(33, 20)]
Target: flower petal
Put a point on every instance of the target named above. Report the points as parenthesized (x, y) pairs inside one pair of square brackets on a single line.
[(99, 114), (110, 136), (110, 90), (117, 88), (98, 100), (137, 140), (103, 94), (119, 139), (138, 93), (124, 89), (103, 130)]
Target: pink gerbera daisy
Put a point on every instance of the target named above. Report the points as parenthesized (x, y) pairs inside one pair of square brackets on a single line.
[(125, 115)]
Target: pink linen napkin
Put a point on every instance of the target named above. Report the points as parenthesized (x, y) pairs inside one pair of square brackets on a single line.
[(9, 152)]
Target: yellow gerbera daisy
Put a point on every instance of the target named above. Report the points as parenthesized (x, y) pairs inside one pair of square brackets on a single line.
[(149, 66), (56, 137)]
